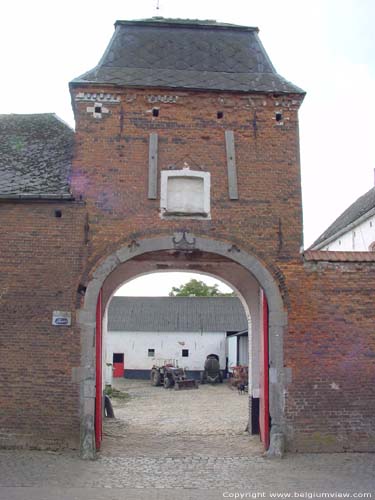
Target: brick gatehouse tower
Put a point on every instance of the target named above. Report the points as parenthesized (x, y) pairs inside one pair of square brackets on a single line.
[(185, 157)]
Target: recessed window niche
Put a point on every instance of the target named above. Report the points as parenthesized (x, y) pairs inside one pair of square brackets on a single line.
[(185, 193)]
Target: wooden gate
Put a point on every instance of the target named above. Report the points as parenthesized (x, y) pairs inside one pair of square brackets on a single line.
[(99, 374), (264, 418)]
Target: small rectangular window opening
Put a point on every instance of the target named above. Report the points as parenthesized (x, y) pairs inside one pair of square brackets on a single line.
[(151, 353), (185, 353), (98, 109), (118, 357), (58, 213), (220, 115), (278, 116), (155, 111)]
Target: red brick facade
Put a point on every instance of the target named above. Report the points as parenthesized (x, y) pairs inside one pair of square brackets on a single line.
[(111, 168), (330, 347), (41, 258)]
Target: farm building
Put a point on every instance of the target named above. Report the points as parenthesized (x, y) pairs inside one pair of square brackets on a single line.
[(143, 330)]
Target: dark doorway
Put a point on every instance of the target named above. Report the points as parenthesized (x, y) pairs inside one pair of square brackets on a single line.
[(118, 364)]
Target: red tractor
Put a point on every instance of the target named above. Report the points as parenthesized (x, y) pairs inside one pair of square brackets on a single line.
[(168, 373)]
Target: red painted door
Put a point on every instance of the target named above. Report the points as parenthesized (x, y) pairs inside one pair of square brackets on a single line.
[(118, 365), (99, 375), (264, 419)]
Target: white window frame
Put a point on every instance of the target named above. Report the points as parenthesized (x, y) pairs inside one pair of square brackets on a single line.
[(187, 173)]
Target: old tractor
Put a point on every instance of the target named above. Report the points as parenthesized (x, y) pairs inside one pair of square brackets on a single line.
[(168, 374), (212, 373)]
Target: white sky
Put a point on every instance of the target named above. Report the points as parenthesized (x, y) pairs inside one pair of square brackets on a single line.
[(160, 284), (327, 47)]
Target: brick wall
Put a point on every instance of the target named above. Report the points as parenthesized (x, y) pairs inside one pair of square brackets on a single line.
[(111, 167), (329, 343), (40, 262), (330, 347), (326, 408)]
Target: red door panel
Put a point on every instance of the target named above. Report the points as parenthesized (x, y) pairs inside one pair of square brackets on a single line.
[(118, 365), (264, 419), (99, 376)]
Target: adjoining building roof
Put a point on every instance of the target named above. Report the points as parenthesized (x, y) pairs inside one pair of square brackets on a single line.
[(176, 314), (329, 256), (351, 216), (187, 54), (36, 153)]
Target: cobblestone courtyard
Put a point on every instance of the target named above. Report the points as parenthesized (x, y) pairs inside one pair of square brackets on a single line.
[(167, 444), (210, 421)]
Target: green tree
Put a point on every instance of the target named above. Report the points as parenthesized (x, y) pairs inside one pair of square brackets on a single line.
[(196, 288)]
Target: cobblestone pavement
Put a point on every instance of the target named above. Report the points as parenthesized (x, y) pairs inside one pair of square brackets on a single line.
[(176, 446), (158, 422)]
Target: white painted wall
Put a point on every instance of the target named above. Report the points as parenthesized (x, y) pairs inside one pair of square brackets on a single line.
[(185, 191), (358, 238), (167, 345), (243, 350), (232, 352), (237, 346), (107, 370)]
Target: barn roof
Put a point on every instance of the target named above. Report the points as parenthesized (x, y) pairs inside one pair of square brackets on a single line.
[(362, 208), (176, 314), (36, 152), (187, 54)]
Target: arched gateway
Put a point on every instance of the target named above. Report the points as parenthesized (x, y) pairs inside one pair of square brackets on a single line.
[(182, 251), (185, 156)]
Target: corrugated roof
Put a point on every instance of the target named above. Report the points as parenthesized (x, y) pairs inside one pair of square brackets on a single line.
[(358, 209), (187, 54), (176, 314), (36, 153)]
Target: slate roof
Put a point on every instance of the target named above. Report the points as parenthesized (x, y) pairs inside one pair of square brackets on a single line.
[(187, 54), (35, 156), (176, 314), (357, 210)]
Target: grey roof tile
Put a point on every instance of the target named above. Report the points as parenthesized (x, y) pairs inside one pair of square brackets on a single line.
[(358, 209), (187, 54), (35, 156), (176, 314)]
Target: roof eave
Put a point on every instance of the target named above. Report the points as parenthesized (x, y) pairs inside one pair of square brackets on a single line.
[(191, 24), (78, 82), (37, 196), (345, 229)]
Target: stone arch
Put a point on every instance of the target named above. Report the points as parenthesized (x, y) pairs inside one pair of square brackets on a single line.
[(86, 320)]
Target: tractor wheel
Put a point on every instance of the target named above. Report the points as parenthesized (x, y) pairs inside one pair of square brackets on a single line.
[(155, 378), (167, 382)]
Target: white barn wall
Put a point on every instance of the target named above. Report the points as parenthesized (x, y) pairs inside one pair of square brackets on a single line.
[(167, 345), (232, 352), (243, 350), (358, 238)]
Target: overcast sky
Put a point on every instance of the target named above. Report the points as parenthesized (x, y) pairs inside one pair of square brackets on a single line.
[(326, 47)]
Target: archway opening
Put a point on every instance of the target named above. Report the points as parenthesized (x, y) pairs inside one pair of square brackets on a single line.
[(174, 338), (184, 251), (248, 292)]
